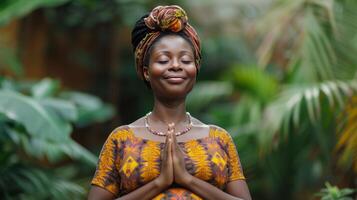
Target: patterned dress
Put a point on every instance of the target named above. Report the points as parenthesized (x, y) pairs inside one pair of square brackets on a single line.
[(128, 162)]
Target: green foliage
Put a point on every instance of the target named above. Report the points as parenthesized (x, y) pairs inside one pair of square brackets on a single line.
[(253, 81), (283, 107), (9, 61), (334, 193), (89, 108), (38, 159), (285, 114), (11, 9), (293, 100), (206, 93)]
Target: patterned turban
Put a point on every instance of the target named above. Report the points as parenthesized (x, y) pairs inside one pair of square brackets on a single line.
[(165, 19)]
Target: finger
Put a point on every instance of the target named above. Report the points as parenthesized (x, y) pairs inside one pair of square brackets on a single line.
[(169, 150), (166, 148), (174, 137), (169, 134), (170, 128), (168, 141), (176, 145), (173, 148)]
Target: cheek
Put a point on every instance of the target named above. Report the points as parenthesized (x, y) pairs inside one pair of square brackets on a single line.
[(155, 70), (192, 72)]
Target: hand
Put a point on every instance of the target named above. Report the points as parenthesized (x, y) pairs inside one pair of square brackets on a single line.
[(181, 175), (166, 176)]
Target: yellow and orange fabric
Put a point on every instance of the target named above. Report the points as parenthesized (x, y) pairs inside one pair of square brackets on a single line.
[(128, 162)]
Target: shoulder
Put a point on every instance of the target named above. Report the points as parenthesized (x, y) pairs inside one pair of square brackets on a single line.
[(220, 133), (120, 133), (127, 127), (218, 129)]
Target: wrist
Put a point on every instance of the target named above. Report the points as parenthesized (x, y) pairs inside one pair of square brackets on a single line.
[(160, 183), (187, 180)]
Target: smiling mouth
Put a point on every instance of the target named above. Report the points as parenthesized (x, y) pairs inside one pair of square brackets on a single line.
[(175, 80)]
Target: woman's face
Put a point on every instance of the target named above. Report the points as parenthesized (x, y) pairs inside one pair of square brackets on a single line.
[(172, 70)]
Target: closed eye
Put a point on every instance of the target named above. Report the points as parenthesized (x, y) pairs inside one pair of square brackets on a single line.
[(162, 62), (186, 62)]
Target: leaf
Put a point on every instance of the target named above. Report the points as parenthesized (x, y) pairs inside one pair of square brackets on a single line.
[(44, 88), (66, 109), (254, 81), (347, 137), (35, 183), (290, 101), (90, 108), (12, 9), (37, 121), (86, 101), (206, 92)]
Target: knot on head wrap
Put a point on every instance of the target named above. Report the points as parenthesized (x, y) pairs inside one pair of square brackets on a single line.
[(165, 19)]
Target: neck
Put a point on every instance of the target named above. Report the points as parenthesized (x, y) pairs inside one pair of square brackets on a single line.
[(169, 111)]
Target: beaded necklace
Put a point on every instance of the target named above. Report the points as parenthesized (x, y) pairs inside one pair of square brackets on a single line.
[(159, 133)]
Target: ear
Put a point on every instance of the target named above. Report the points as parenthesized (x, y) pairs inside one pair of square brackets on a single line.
[(146, 73)]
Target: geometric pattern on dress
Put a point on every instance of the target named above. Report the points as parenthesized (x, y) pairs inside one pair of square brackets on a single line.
[(219, 161), (129, 166)]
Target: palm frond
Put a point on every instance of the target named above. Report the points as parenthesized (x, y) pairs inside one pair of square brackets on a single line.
[(285, 13), (347, 137), (287, 107), (316, 50), (315, 35)]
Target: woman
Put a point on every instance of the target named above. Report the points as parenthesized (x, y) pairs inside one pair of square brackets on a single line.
[(168, 154)]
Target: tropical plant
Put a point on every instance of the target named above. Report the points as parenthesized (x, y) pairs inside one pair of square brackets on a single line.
[(11, 9), (292, 114), (39, 160), (334, 193)]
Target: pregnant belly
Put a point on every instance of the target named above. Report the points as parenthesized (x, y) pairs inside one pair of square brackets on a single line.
[(175, 194)]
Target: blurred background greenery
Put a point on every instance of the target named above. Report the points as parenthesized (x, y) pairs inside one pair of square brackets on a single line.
[(279, 75)]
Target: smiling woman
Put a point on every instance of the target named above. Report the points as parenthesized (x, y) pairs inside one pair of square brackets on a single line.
[(172, 71), (168, 154)]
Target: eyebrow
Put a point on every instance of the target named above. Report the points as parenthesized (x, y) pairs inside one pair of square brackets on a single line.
[(168, 52)]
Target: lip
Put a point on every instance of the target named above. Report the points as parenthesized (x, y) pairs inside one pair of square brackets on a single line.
[(175, 79)]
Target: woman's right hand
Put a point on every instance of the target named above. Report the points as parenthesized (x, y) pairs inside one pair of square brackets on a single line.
[(166, 177)]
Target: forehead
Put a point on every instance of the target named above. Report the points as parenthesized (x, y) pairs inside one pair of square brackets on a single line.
[(172, 43)]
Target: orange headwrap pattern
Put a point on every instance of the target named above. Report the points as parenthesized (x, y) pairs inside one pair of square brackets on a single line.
[(166, 19)]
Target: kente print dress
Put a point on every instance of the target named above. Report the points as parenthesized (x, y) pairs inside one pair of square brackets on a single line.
[(128, 162)]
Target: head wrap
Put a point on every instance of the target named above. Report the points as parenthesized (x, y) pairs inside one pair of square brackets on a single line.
[(165, 19)]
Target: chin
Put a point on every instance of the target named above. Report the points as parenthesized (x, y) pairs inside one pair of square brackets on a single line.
[(177, 92), (173, 91)]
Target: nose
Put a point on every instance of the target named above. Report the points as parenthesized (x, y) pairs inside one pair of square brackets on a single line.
[(176, 64)]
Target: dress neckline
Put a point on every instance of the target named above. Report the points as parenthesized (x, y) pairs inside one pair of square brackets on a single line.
[(132, 133)]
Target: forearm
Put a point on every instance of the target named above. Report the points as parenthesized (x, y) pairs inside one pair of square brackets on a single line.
[(148, 191), (207, 191)]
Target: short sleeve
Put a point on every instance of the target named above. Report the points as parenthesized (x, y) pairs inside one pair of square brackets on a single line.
[(106, 175), (235, 171)]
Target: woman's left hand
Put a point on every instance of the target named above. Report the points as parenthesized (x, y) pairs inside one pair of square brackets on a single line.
[(181, 175)]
